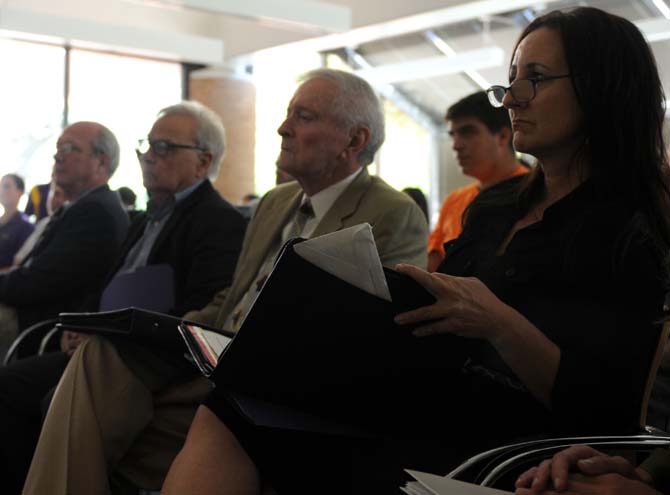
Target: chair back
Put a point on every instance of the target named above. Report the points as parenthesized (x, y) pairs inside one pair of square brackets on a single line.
[(653, 370)]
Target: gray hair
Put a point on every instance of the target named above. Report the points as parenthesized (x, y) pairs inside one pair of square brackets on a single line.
[(105, 142), (355, 104), (209, 131)]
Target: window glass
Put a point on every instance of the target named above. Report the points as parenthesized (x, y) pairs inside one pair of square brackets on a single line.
[(31, 97), (405, 158), (275, 80)]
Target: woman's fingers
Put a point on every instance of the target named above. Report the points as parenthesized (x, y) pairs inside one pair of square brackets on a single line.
[(526, 479), (437, 286), (602, 464)]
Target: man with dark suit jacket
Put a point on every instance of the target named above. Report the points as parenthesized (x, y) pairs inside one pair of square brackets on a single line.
[(68, 261), (188, 227), (75, 251)]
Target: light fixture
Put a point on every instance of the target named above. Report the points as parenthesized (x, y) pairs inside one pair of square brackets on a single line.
[(662, 7)]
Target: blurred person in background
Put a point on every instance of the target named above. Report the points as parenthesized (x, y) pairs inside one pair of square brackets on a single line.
[(14, 225), (419, 198), (129, 201), (55, 199), (37, 199), (482, 142)]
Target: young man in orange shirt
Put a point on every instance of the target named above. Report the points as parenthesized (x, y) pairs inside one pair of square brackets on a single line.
[(482, 141)]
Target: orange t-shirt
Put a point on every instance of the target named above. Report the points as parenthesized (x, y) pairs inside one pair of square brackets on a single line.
[(449, 224)]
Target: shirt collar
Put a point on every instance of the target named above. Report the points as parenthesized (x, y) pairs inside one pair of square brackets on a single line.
[(185, 193), (158, 211), (68, 204), (324, 199), (573, 203)]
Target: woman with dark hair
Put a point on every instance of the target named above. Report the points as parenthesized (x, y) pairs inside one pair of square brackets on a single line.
[(556, 283), (14, 225)]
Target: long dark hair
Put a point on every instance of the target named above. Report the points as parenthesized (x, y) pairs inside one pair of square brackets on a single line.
[(620, 93)]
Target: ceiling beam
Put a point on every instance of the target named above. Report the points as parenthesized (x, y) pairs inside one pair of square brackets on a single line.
[(415, 23), (425, 117), (655, 29), (24, 24), (426, 68), (439, 43), (296, 15)]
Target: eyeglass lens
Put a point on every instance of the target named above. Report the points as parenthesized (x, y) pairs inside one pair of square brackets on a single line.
[(65, 149), (522, 91), (159, 147)]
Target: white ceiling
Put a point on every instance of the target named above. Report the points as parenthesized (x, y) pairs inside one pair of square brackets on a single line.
[(435, 94), (370, 33)]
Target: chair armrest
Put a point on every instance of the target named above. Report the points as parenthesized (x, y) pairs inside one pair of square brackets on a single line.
[(27, 343), (51, 341)]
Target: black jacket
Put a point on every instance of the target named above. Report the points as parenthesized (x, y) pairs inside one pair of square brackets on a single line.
[(201, 241), (70, 261)]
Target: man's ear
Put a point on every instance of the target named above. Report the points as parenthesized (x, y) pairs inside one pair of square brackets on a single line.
[(204, 163), (359, 137), (104, 163)]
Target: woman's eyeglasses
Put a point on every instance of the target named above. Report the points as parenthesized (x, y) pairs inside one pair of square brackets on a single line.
[(522, 90)]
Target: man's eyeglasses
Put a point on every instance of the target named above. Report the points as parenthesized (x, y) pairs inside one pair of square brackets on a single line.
[(161, 147), (522, 90)]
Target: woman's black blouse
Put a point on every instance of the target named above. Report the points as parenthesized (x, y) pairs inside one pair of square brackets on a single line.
[(593, 294)]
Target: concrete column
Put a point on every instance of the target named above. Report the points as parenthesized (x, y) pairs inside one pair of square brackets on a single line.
[(234, 99)]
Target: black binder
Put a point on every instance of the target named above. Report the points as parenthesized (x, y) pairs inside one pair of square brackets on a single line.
[(202, 355), (156, 330), (319, 345)]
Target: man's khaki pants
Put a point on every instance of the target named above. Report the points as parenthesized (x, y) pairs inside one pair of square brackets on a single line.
[(108, 421)]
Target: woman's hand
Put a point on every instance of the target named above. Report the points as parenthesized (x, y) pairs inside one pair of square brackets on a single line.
[(463, 306), (467, 308), (554, 472)]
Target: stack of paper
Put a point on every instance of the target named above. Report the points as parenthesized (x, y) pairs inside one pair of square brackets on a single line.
[(432, 484)]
